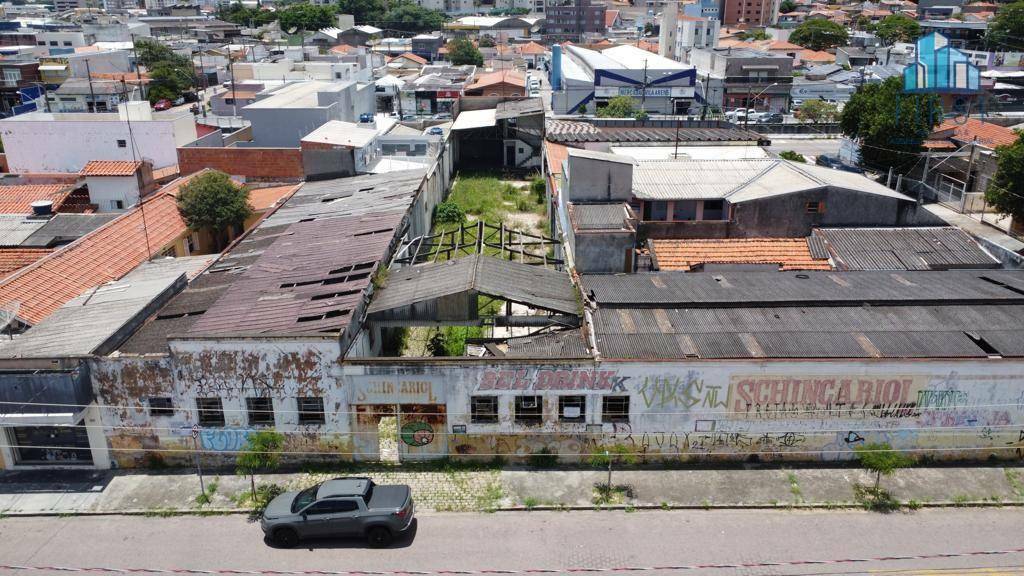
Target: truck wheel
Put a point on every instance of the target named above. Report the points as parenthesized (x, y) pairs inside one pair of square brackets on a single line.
[(286, 537), (379, 537)]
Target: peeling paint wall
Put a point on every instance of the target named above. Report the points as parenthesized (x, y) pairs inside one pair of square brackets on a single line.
[(686, 411), (231, 371)]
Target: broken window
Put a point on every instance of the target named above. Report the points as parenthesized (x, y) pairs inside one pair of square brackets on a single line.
[(572, 408), (311, 410), (529, 409), (160, 407), (261, 411), (211, 412), (484, 409), (615, 409)]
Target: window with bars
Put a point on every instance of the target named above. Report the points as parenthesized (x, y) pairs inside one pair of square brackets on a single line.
[(311, 410), (160, 407), (484, 409), (260, 410), (211, 412), (572, 408), (615, 409), (529, 409)]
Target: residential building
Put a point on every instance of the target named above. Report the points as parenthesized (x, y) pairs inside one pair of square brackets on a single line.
[(85, 95), (435, 90), (427, 46), (750, 12), (572, 20), (501, 28), (679, 33), (506, 83), (709, 9), (40, 142), (282, 116), (17, 75), (744, 78), (116, 186), (339, 149)]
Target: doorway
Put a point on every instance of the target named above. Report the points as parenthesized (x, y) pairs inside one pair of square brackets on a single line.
[(387, 435)]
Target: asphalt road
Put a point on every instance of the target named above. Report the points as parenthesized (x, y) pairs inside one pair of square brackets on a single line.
[(532, 540)]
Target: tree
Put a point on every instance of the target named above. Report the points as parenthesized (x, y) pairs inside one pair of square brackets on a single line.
[(1006, 189), (819, 35), (487, 42), (898, 28), (211, 201), (758, 34), (306, 17), (889, 123), (411, 17), (787, 6), (462, 51), (817, 111), (618, 107), (239, 14), (1006, 30), (363, 11), (171, 74), (881, 459), (152, 52), (792, 156), (262, 452)]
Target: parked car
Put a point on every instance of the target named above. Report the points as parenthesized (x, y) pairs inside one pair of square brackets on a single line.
[(163, 104), (366, 117), (435, 131), (443, 116), (354, 507), (408, 117), (773, 118), (836, 163)]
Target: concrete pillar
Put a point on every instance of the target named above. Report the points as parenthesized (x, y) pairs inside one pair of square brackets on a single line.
[(97, 438)]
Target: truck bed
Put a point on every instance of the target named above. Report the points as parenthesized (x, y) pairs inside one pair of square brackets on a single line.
[(388, 497)]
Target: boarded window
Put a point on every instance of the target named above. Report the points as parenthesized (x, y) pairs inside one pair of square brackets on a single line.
[(572, 408)]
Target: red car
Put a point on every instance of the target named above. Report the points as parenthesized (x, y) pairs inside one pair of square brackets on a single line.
[(164, 104)]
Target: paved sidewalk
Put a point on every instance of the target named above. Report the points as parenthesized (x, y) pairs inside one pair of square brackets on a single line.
[(90, 492)]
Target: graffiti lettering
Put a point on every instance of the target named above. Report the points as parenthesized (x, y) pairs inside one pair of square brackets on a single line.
[(584, 380), (940, 398), (819, 391), (783, 411), (686, 392), (224, 440)]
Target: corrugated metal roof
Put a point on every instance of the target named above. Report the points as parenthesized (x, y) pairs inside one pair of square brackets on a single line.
[(66, 228), (568, 344), (811, 332), (533, 286), (932, 248), (804, 288), (569, 131), (472, 119), (600, 216)]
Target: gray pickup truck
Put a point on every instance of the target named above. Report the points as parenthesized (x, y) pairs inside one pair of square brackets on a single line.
[(340, 507)]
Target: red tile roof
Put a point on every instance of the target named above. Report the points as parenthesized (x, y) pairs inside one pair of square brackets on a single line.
[(498, 77), (18, 198), (780, 45), (787, 253), (987, 134), (531, 48), (265, 198), (816, 56), (106, 254), (111, 168), (12, 259), (410, 56), (609, 18)]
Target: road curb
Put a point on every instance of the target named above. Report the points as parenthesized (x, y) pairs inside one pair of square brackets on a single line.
[(804, 506), (154, 513)]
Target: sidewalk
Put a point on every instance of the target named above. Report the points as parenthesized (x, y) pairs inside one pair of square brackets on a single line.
[(90, 492)]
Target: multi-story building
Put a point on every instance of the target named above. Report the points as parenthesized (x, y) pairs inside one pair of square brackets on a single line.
[(680, 33), (750, 12), (703, 9), (16, 75), (572, 20), (740, 77)]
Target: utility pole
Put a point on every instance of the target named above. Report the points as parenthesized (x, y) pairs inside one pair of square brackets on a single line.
[(643, 87), (970, 165), (92, 95), (138, 69), (231, 70)]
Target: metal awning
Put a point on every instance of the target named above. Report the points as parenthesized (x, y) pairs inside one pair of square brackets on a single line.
[(53, 67), (473, 119)]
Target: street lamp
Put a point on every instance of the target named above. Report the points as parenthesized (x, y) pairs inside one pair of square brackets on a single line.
[(746, 114)]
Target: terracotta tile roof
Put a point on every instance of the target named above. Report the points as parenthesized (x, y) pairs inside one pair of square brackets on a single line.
[(168, 172), (410, 56), (816, 56), (988, 135), (126, 77), (788, 253), (532, 48), (265, 198), (106, 254), (939, 145), (649, 46), (498, 77), (343, 49), (111, 168), (556, 154), (12, 259), (780, 45), (609, 18), (18, 198)]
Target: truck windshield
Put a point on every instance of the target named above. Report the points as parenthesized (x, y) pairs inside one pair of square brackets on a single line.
[(304, 498)]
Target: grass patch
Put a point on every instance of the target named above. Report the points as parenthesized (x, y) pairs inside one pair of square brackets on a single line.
[(605, 495), (961, 500), (1015, 482), (490, 500), (875, 499), (794, 488), (530, 502)]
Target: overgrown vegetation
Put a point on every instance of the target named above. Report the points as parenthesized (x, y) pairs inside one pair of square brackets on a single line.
[(262, 453), (605, 495), (618, 107), (212, 202), (170, 73), (792, 156), (543, 458), (883, 460), (615, 454), (1006, 189), (891, 124)]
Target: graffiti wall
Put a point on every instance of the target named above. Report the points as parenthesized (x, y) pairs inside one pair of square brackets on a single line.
[(766, 411), (129, 388)]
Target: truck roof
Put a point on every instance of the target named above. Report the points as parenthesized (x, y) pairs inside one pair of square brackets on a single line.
[(344, 487)]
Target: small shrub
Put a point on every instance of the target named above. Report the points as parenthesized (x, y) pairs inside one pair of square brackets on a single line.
[(525, 204), (543, 458), (538, 189), (618, 454), (913, 505), (530, 502), (605, 494), (875, 499), (641, 115), (449, 213), (881, 459), (264, 494), (203, 499), (792, 156)]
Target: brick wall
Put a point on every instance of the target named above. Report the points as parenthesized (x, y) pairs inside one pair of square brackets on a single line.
[(252, 163)]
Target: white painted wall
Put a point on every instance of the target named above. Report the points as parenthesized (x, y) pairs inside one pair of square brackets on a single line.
[(40, 142), (104, 191)]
